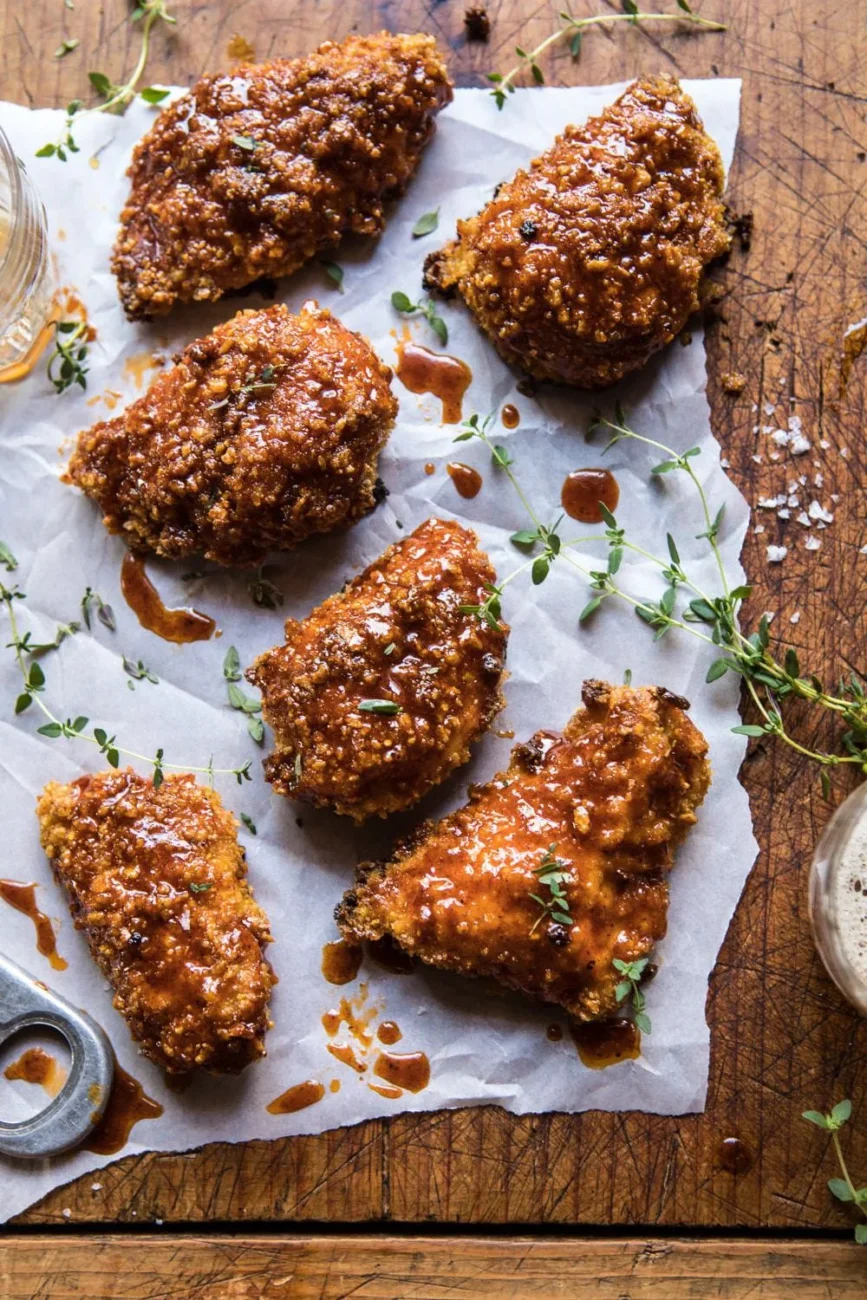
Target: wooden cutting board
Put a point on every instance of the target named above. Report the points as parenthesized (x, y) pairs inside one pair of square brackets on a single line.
[(782, 1038)]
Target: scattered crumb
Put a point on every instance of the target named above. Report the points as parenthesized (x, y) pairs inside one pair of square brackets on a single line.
[(477, 23), (734, 382), (776, 554)]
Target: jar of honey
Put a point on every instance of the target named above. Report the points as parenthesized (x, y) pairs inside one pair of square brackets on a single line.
[(26, 281)]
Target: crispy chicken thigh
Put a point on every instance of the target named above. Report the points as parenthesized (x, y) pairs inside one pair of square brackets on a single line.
[(604, 804), (265, 432), (254, 171), (158, 883), (584, 266), (378, 694)]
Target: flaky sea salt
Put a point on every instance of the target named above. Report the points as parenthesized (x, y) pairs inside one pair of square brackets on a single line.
[(796, 617), (776, 554), (812, 543), (816, 511)]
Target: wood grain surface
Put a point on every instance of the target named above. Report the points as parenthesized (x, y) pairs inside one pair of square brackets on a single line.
[(421, 1268), (782, 1038)]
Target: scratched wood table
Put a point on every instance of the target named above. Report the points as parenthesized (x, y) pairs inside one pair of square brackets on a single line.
[(386, 1197)]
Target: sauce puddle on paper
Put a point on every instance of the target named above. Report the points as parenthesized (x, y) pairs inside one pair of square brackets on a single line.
[(510, 416), (606, 1042), (407, 1070), (127, 1106), (178, 625), (584, 489), (341, 962), (297, 1098), (445, 377), (23, 898), (467, 480), (39, 1067), (389, 1033)]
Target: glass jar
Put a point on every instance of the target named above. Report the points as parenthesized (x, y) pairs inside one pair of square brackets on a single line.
[(26, 281), (838, 898)]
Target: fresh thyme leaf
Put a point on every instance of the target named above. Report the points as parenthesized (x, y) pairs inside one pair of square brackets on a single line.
[(197, 887), (154, 94), (401, 302), (334, 272), (631, 8), (629, 989), (92, 600), (232, 665), (387, 708), (263, 591), (426, 223), (390, 648), (7, 559), (249, 823), (552, 873), (246, 142), (425, 307), (66, 47), (842, 1188), (139, 671), (101, 83)]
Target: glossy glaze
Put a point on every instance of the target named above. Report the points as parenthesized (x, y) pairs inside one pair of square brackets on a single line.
[(178, 625), (444, 377), (23, 898), (127, 1106)]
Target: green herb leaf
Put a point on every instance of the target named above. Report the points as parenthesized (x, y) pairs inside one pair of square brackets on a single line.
[(841, 1113), (199, 888), (154, 94), (249, 823), (524, 538), (748, 730), (400, 302), (540, 569), (51, 729), (246, 142), (388, 708), (426, 223), (718, 669), (232, 665), (7, 559), (334, 273), (840, 1189), (66, 47), (439, 328), (101, 83), (861, 1234)]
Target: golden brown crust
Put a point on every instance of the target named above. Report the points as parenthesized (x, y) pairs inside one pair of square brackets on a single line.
[(335, 135), (585, 265), (158, 883), (266, 432), (395, 633), (611, 797)]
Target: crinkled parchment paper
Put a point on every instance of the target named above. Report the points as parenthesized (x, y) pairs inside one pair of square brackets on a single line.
[(482, 1048)]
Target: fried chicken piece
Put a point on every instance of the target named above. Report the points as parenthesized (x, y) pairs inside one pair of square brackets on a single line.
[(378, 694), (603, 805), (253, 172), (582, 267), (158, 883), (266, 431)]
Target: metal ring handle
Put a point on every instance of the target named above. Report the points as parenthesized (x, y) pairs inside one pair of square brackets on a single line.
[(80, 1104)]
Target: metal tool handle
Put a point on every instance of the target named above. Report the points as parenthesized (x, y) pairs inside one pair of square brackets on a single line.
[(78, 1107)]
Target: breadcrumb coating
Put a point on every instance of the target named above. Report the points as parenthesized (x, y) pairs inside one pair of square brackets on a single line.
[(610, 798), (252, 172), (264, 433), (395, 636), (582, 267), (158, 883)]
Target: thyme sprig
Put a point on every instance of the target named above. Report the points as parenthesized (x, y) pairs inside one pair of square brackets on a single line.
[(552, 874), (629, 989), (54, 728), (239, 700), (116, 98), (66, 365), (772, 682), (424, 307), (574, 28), (843, 1188)]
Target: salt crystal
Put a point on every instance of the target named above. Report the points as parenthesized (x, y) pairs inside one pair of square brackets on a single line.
[(67, 1214), (824, 444), (776, 554), (812, 544), (803, 518), (783, 514), (799, 444), (769, 408), (757, 459), (796, 617), (815, 511), (96, 1187), (724, 461), (760, 528), (818, 479)]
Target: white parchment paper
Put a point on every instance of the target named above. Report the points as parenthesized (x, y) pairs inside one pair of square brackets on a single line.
[(482, 1048)]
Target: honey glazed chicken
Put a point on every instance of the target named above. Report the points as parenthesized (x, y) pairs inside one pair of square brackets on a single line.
[(583, 266), (604, 805), (252, 172), (158, 883), (265, 432), (378, 694)]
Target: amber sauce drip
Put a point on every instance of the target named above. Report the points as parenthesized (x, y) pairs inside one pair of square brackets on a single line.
[(430, 468), (37, 1066), (408, 1070), (510, 416), (297, 1098), (386, 953), (605, 1042), (179, 625), (344, 1053), (734, 1156), (127, 1105), (554, 1033), (584, 489), (23, 899), (341, 962), (385, 1090), (445, 377), (389, 1033), (467, 480)]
